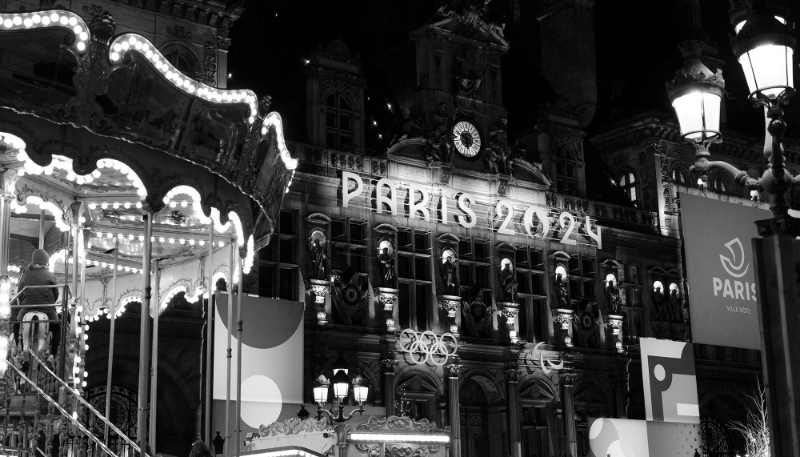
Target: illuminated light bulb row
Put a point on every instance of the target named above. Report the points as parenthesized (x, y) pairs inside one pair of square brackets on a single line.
[(111, 266), (289, 184), (43, 205), (129, 237), (58, 162), (274, 119), (14, 268), (66, 19), (116, 205), (248, 259), (12, 141), (125, 170), (129, 42)]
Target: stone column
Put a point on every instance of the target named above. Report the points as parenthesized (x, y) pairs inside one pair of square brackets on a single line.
[(320, 288), (567, 381), (512, 379), (452, 372), (388, 363)]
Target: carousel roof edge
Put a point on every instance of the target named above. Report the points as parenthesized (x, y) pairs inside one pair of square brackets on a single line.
[(121, 86)]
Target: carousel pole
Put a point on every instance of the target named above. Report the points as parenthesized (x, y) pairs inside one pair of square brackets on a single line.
[(209, 333), (144, 340), (41, 229), (229, 326), (113, 314), (81, 257), (5, 221), (62, 359), (154, 373), (238, 354)]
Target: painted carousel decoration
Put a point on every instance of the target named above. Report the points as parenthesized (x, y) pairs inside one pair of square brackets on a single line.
[(143, 183)]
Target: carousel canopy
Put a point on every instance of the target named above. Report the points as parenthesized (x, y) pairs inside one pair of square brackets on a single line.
[(99, 129)]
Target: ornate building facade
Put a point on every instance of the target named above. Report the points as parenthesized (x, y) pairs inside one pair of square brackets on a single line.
[(462, 232)]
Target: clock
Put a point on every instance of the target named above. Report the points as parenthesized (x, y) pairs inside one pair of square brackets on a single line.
[(467, 139)]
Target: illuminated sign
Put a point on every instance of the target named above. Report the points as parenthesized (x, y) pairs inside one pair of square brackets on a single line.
[(535, 221)]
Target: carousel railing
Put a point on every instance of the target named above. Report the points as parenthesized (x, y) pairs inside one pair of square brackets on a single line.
[(33, 437)]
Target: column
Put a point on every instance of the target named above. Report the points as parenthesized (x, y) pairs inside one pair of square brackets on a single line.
[(775, 263), (567, 383), (512, 380), (452, 372), (388, 363), (144, 336), (5, 223)]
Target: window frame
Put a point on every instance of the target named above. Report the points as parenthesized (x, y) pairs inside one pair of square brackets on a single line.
[(277, 264), (337, 112), (417, 255)]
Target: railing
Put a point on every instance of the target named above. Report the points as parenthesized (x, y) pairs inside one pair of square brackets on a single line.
[(35, 438)]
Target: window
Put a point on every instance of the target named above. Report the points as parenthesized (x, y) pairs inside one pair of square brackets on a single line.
[(278, 273), (349, 242), (720, 184), (338, 122), (534, 431), (181, 61), (414, 277), (473, 277), (681, 176), (566, 169), (529, 269), (628, 184)]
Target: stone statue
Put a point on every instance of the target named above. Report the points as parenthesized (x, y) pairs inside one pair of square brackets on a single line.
[(492, 159), (386, 264), (409, 125), (614, 299), (319, 258), (674, 305), (562, 291), (449, 274), (509, 283), (498, 142), (660, 305), (438, 146)]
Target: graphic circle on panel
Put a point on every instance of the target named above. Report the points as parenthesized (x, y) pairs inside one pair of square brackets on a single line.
[(271, 332), (261, 401)]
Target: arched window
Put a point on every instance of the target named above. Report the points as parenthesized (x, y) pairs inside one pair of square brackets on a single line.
[(566, 168), (181, 57), (719, 183), (338, 122), (680, 175), (181, 62), (628, 184)]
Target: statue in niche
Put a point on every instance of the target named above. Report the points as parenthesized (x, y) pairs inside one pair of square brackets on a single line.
[(561, 289), (477, 315), (498, 142), (386, 265), (407, 125), (508, 281), (466, 81), (614, 298), (492, 161), (674, 303), (318, 256), (659, 302), (438, 146), (448, 272)]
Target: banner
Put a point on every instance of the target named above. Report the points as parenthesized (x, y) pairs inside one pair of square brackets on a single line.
[(720, 270), (637, 438), (669, 381), (272, 361)]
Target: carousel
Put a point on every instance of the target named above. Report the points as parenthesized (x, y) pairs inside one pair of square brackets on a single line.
[(140, 183)]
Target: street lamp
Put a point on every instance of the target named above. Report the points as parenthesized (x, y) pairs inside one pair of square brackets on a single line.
[(341, 387), (696, 95)]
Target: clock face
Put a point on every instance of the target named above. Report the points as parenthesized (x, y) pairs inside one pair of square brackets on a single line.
[(467, 139)]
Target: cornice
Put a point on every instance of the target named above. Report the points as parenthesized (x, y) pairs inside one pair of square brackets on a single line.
[(212, 13)]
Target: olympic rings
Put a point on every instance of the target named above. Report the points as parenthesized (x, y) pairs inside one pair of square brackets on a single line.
[(427, 347)]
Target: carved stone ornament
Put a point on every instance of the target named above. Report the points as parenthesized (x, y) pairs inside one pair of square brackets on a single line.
[(454, 370), (509, 312), (209, 73), (512, 375), (178, 31), (320, 288), (294, 426), (400, 424), (615, 322), (387, 297), (449, 304), (563, 317), (223, 43), (389, 364)]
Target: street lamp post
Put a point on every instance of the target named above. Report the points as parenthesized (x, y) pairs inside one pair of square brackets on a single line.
[(763, 45), (341, 387)]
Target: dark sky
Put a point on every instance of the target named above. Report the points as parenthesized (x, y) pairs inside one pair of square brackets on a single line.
[(636, 44)]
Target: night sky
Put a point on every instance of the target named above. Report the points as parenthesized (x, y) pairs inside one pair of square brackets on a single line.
[(636, 44)]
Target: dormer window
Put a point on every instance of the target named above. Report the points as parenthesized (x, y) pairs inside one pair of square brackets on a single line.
[(566, 169), (338, 122)]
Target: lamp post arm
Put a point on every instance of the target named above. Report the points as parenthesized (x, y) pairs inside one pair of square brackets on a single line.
[(703, 166)]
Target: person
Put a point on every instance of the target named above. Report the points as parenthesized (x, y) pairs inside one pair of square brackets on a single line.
[(38, 274), (199, 449)]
